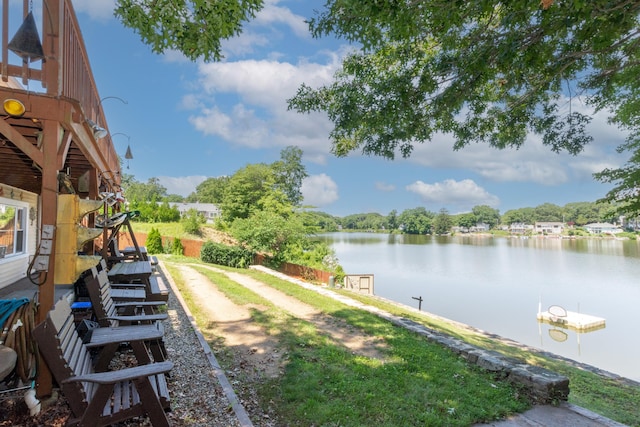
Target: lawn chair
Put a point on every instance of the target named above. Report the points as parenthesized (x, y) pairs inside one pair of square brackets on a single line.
[(99, 398), (107, 313)]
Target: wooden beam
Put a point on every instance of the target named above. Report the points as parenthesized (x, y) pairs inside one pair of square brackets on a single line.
[(49, 199), (21, 142)]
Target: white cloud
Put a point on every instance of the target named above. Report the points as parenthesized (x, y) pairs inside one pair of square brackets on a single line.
[(319, 190), (182, 185), (462, 194), (272, 14), (100, 10), (532, 162), (258, 115)]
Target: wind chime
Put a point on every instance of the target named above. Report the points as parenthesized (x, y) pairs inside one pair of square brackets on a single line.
[(26, 42)]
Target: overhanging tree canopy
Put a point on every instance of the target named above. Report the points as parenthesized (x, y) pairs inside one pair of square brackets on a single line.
[(194, 27), (483, 71)]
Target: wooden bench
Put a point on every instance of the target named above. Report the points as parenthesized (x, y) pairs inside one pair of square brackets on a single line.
[(121, 292), (99, 398), (138, 272), (111, 315)]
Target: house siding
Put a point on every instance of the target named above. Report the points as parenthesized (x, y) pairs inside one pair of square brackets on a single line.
[(14, 268)]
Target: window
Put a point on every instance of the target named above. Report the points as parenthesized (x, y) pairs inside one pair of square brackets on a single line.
[(13, 218)]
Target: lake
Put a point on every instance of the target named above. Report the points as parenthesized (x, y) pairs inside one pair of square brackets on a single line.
[(497, 284)]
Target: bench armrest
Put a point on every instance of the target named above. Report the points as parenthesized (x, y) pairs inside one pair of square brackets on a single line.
[(125, 374), (139, 318)]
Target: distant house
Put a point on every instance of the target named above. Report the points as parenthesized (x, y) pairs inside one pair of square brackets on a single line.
[(208, 210), (520, 228), (602, 227), (479, 228), (549, 227)]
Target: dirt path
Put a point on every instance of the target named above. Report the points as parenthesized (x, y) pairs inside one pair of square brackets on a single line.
[(257, 349)]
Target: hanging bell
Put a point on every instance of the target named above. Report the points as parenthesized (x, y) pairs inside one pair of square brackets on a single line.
[(26, 42), (128, 155)]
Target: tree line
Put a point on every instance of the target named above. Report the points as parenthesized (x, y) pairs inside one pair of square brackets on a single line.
[(261, 206)]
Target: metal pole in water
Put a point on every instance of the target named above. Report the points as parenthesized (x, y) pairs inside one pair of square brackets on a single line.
[(419, 299)]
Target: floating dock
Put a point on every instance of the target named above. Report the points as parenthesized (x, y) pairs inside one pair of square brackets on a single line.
[(580, 322)]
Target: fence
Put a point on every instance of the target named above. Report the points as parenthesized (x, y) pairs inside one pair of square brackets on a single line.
[(192, 249)]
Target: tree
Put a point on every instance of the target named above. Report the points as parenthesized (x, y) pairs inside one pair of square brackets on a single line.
[(191, 222), (548, 212), (487, 215), (144, 192), (416, 221), (251, 189), (482, 71), (154, 242), (195, 27), (485, 71), (211, 190), (467, 220), (442, 222), (392, 220), (269, 232), (290, 172), (519, 216)]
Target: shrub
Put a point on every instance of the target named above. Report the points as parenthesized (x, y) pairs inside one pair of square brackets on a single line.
[(154, 242), (231, 256), (191, 222), (176, 247)]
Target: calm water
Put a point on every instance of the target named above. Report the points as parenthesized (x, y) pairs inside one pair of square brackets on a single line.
[(496, 284)]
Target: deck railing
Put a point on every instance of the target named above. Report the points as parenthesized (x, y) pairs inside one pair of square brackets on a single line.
[(65, 72)]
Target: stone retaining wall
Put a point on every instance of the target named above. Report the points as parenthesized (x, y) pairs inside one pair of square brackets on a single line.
[(543, 385)]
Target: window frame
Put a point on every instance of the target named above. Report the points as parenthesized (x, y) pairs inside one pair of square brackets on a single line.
[(20, 234)]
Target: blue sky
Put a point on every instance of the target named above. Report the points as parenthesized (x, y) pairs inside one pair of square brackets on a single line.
[(186, 121)]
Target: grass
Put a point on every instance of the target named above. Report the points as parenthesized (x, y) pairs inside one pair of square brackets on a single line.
[(609, 397), (418, 383)]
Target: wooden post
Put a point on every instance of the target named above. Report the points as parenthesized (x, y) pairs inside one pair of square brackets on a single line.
[(419, 299), (49, 201)]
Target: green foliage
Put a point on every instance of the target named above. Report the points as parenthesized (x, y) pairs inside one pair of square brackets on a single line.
[(245, 190), (210, 190), (290, 172), (367, 221), (154, 242), (231, 256), (442, 223), (314, 254), (150, 211), (392, 220), (319, 221), (191, 222), (269, 232), (176, 247), (626, 179), (140, 192), (486, 215), (482, 71), (195, 27), (467, 220), (416, 221)]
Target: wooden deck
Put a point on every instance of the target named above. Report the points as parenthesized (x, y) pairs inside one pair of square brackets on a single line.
[(23, 288)]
